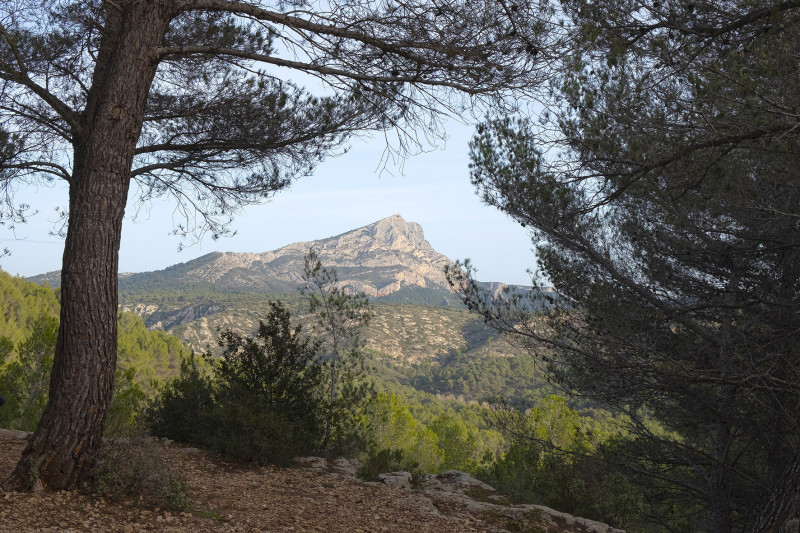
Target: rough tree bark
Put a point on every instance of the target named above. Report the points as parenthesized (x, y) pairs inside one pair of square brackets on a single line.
[(71, 427), (782, 512)]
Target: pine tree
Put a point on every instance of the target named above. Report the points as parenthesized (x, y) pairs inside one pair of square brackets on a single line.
[(340, 315), (661, 190)]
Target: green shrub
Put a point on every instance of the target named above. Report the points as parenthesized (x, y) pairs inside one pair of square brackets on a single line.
[(24, 379), (275, 373), (389, 425), (251, 431), (137, 471), (457, 440), (123, 418), (181, 411), (263, 404), (384, 460), (554, 461)]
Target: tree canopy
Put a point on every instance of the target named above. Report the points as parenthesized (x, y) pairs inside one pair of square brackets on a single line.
[(660, 186), (221, 123)]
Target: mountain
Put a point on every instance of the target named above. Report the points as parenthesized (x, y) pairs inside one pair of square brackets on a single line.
[(389, 259), (418, 317), (418, 320)]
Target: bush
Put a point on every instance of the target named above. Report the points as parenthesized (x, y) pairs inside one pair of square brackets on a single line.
[(252, 431), (123, 418), (181, 411), (24, 379), (554, 461), (137, 471), (264, 403), (385, 460), (391, 426), (275, 373)]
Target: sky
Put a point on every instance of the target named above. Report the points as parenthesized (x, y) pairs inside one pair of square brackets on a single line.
[(344, 193)]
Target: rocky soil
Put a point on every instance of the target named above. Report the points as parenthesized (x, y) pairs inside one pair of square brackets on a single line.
[(317, 495)]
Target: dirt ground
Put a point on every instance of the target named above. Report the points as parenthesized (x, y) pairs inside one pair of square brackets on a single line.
[(228, 497)]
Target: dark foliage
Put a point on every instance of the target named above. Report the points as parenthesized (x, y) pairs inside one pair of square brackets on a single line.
[(181, 411), (661, 190), (276, 373), (264, 403)]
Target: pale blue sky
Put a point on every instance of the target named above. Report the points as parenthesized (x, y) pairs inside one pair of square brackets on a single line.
[(345, 193)]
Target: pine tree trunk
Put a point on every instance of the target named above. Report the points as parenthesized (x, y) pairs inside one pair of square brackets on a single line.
[(329, 422), (61, 450), (782, 512)]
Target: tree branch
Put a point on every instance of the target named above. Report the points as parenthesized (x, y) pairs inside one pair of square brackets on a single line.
[(303, 24), (178, 51), (712, 31), (687, 150), (41, 166), (21, 77)]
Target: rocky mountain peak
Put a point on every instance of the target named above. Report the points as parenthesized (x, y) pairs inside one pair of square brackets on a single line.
[(398, 234), (390, 239)]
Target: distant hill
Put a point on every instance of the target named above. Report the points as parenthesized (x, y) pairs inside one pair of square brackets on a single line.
[(418, 321)]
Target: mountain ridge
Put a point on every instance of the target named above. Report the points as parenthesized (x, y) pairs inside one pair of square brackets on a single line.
[(378, 259), (417, 318)]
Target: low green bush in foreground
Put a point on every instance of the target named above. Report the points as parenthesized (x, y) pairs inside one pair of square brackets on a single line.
[(262, 401), (136, 471)]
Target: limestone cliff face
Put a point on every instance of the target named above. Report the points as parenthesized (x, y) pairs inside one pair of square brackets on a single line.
[(377, 259)]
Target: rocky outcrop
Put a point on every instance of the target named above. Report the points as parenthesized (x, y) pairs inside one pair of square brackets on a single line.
[(400, 480), (170, 319), (156, 318), (142, 310), (466, 498), (476, 498)]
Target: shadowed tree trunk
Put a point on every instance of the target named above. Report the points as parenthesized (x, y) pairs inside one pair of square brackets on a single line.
[(782, 512), (71, 427)]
